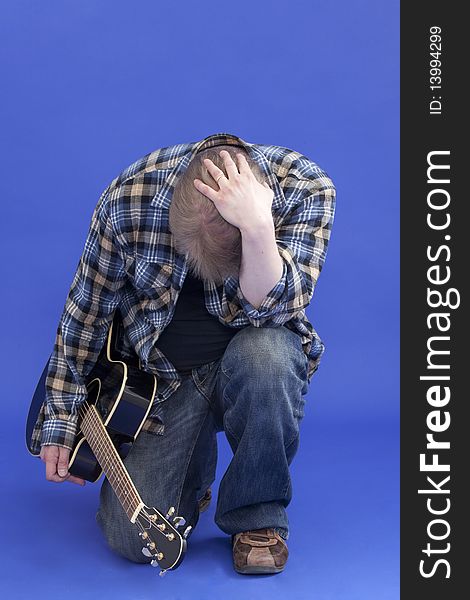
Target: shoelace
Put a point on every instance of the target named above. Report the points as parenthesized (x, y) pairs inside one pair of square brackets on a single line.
[(262, 538)]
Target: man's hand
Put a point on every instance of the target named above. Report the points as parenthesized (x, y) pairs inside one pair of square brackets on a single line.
[(241, 199), (57, 462)]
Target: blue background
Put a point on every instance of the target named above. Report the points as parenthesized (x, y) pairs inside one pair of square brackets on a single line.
[(88, 88)]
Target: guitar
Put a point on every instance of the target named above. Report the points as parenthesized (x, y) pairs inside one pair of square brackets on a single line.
[(119, 398)]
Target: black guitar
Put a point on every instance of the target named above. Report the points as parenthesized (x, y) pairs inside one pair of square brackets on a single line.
[(119, 398)]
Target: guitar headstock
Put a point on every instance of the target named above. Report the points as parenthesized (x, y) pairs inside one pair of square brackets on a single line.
[(160, 537)]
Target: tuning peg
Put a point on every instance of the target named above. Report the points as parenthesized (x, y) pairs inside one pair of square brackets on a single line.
[(186, 531), (179, 522), (154, 563), (170, 513), (146, 552)]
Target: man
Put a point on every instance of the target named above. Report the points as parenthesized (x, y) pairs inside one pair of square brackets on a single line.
[(211, 251)]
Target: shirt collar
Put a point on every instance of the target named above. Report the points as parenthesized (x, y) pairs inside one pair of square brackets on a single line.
[(163, 196)]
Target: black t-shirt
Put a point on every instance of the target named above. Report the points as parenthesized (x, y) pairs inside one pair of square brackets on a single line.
[(193, 337)]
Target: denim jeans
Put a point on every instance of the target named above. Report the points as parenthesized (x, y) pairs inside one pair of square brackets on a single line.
[(255, 395)]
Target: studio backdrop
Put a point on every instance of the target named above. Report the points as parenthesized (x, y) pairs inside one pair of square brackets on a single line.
[(89, 88)]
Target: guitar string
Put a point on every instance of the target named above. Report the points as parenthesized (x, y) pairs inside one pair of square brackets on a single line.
[(129, 492), (111, 473), (100, 447), (113, 454), (105, 447), (104, 444)]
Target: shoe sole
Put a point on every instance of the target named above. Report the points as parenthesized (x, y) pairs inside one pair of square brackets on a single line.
[(259, 570)]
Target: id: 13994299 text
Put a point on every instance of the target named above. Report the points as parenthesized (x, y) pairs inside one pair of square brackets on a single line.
[(435, 70)]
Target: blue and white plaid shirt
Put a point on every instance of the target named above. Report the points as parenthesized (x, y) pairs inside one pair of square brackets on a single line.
[(129, 261)]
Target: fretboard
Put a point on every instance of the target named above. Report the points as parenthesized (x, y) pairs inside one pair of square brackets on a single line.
[(111, 463)]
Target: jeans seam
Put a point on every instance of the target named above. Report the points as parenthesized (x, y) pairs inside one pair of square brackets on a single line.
[(190, 455), (227, 429), (199, 383), (296, 437), (225, 397), (227, 374), (289, 480), (199, 387)]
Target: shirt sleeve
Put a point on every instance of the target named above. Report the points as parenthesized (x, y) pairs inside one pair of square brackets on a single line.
[(302, 240), (83, 327)]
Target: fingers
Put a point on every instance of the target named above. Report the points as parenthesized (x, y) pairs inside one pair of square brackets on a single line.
[(243, 165), (232, 169), (63, 467), (57, 461), (51, 456), (76, 480), (213, 169), (63, 462), (218, 174), (206, 190)]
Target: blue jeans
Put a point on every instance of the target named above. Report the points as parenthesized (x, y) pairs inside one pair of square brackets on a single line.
[(255, 394)]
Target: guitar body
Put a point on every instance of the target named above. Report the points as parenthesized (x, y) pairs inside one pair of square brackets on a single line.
[(122, 394)]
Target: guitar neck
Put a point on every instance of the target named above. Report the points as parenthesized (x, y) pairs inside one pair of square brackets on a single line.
[(111, 463)]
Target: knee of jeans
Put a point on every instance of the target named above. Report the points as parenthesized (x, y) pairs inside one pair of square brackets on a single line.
[(121, 540), (264, 350)]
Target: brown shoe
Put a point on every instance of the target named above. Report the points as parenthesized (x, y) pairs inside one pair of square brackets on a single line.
[(205, 500), (259, 551)]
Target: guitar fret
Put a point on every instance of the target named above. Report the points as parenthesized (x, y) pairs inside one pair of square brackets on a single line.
[(110, 461), (117, 483)]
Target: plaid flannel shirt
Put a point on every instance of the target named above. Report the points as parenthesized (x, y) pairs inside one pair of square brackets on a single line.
[(129, 262)]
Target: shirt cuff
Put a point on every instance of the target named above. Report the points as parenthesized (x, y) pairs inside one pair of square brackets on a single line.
[(59, 432)]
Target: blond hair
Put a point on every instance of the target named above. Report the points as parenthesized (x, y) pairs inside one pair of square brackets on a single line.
[(211, 245)]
